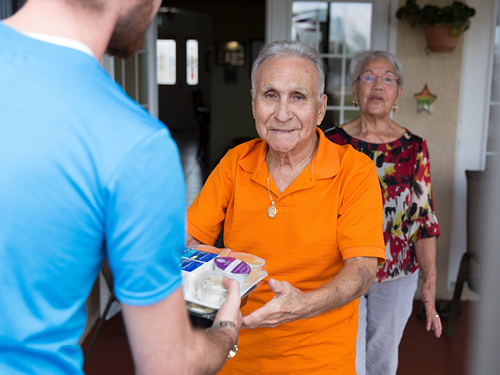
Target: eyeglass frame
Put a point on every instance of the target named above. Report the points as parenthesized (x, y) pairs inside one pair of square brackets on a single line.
[(376, 76)]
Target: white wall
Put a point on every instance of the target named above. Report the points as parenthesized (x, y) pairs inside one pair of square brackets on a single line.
[(472, 120)]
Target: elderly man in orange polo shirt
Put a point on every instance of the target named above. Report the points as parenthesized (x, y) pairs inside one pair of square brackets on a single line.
[(310, 208)]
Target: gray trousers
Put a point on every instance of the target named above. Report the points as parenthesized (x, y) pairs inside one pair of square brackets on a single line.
[(383, 314)]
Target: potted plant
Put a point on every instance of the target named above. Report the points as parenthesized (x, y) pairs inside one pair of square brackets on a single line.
[(442, 26)]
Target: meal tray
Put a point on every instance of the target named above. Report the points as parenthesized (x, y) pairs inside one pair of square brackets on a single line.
[(247, 289)]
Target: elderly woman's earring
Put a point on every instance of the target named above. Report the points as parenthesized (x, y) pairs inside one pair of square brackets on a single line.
[(355, 103), (395, 108)]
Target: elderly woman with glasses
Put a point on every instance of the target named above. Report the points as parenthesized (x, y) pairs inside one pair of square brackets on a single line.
[(410, 224), (310, 208)]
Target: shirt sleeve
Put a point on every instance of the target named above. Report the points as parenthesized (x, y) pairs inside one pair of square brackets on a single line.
[(145, 221), (207, 213), (423, 218), (360, 218)]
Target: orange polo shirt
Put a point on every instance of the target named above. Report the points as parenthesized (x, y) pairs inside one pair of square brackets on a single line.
[(331, 212)]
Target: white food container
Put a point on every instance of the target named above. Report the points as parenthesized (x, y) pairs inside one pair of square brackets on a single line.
[(253, 261), (211, 289)]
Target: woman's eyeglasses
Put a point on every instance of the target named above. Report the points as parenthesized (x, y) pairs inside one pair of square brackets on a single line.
[(386, 79)]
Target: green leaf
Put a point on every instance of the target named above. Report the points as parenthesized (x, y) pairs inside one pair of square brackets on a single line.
[(457, 13), (455, 31)]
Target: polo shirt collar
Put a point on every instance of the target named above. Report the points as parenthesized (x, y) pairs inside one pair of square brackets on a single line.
[(254, 162), (329, 156)]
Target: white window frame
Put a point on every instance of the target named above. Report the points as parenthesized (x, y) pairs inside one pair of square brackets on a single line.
[(383, 33), (279, 22), (473, 119)]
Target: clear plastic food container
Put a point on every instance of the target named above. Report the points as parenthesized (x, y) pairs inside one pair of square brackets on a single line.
[(211, 289), (253, 261)]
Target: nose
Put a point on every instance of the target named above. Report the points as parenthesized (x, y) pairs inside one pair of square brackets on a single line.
[(283, 112), (378, 82)]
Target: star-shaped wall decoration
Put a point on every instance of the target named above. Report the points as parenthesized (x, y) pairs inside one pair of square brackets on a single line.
[(424, 100)]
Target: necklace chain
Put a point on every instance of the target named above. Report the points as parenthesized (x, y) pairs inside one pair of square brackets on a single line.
[(272, 211)]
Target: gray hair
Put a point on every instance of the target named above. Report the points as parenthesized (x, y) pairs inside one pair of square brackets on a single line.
[(358, 61), (291, 49)]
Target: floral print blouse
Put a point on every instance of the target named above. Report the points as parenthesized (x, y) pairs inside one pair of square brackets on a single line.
[(403, 168)]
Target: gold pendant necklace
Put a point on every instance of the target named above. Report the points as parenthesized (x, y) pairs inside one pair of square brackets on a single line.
[(272, 211)]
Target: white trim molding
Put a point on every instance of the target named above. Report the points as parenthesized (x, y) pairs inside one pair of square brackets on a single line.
[(472, 129)]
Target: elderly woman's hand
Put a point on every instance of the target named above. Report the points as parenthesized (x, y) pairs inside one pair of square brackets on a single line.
[(425, 249), (433, 320), (287, 305)]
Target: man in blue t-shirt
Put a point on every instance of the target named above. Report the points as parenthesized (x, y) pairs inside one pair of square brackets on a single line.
[(86, 174)]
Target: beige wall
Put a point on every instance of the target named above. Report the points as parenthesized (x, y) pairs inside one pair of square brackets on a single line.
[(441, 72)]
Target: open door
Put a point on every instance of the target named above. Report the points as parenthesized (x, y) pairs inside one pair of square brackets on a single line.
[(184, 48), (338, 30)]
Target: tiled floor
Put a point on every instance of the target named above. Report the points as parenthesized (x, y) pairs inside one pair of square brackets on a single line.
[(420, 352), (195, 173)]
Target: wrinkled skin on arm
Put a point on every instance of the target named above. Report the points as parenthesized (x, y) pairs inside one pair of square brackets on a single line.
[(425, 249), (290, 304)]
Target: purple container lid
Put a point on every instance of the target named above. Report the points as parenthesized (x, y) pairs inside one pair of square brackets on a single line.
[(232, 265)]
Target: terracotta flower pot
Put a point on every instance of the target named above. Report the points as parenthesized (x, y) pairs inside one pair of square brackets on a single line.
[(439, 39)]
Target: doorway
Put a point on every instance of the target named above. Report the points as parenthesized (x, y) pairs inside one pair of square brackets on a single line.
[(184, 48), (337, 30), (183, 57)]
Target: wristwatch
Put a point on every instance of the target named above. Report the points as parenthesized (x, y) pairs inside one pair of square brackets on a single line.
[(227, 323)]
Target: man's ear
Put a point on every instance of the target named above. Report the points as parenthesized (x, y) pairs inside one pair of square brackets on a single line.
[(253, 103), (322, 109)]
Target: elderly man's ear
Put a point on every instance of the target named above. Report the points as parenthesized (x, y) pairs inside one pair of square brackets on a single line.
[(322, 110), (253, 103)]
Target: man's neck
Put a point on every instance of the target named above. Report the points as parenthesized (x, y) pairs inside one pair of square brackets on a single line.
[(60, 19), (60, 41)]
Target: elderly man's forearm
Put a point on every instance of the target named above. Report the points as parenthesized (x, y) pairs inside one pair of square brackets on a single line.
[(352, 281)]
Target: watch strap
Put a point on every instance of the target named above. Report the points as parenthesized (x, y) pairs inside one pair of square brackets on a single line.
[(227, 323)]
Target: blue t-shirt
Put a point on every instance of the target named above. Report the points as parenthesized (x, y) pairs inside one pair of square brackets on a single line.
[(85, 173)]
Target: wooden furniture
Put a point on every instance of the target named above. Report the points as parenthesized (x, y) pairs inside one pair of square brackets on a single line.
[(469, 270)]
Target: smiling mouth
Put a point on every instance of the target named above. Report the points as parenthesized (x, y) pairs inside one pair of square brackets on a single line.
[(282, 131)]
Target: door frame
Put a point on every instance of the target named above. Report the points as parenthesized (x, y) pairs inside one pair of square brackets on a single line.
[(149, 48), (279, 22)]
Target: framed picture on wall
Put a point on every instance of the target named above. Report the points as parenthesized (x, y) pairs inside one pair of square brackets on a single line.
[(230, 53)]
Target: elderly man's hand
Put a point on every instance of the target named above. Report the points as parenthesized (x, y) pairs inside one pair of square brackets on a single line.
[(287, 305)]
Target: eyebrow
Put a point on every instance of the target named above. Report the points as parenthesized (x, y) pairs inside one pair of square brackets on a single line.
[(387, 71), (270, 86), (300, 89)]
